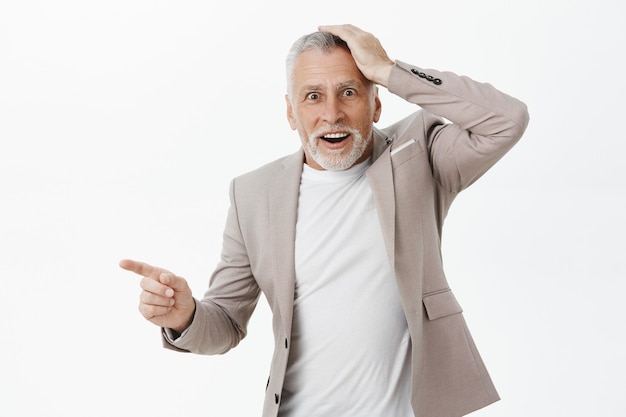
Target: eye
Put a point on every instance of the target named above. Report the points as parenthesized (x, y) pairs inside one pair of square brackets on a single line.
[(312, 96), (349, 92)]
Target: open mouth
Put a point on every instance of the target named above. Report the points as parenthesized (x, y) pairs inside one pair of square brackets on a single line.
[(335, 137)]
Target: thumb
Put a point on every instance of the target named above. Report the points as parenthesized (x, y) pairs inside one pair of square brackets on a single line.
[(178, 284)]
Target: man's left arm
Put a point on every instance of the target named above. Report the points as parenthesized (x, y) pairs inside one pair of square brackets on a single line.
[(486, 122)]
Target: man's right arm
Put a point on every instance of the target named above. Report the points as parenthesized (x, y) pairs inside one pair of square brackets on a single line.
[(222, 315), (218, 322)]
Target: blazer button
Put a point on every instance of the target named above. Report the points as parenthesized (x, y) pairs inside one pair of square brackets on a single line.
[(418, 73), (276, 398), (430, 78)]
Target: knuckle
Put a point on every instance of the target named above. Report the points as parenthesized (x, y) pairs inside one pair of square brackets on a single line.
[(145, 297), (149, 311), (144, 283), (143, 309)]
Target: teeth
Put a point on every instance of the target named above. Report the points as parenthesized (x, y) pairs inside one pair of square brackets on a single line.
[(335, 136)]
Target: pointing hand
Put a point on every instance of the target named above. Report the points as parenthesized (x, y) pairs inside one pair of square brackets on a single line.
[(165, 299)]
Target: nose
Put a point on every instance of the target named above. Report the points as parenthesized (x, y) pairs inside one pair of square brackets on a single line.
[(333, 112)]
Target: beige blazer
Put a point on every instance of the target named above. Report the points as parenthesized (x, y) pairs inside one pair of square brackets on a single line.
[(420, 164)]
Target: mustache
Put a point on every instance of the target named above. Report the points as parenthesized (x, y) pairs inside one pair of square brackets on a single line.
[(332, 128)]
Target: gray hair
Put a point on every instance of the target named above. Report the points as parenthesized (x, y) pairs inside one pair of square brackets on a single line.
[(319, 40)]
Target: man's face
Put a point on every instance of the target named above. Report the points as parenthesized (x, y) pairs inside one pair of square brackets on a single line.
[(333, 107)]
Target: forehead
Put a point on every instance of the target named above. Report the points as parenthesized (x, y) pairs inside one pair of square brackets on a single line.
[(317, 67)]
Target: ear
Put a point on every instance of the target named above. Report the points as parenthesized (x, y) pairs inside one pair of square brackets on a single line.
[(378, 107), (290, 115)]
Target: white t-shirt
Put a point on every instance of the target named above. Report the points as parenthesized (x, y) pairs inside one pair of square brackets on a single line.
[(350, 345)]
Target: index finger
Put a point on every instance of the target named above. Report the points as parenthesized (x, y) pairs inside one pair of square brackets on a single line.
[(140, 268), (341, 31)]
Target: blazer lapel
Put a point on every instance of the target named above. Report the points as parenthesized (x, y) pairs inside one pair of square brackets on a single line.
[(283, 203), (380, 176)]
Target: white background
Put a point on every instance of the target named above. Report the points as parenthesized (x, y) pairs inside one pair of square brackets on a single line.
[(122, 123)]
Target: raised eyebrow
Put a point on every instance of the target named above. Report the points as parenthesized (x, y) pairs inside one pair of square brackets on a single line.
[(309, 88), (349, 84), (341, 86)]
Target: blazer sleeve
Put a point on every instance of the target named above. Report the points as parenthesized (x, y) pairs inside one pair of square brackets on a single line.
[(222, 316), (484, 122)]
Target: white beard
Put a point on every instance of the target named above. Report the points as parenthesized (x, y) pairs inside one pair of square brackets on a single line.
[(332, 160)]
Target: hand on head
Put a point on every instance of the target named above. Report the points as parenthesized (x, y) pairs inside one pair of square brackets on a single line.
[(367, 51), (165, 299)]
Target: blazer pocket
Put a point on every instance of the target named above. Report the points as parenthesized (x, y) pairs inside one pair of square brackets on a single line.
[(405, 152), (440, 304)]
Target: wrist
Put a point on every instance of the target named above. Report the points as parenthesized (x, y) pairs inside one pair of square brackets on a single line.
[(382, 74), (180, 329)]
